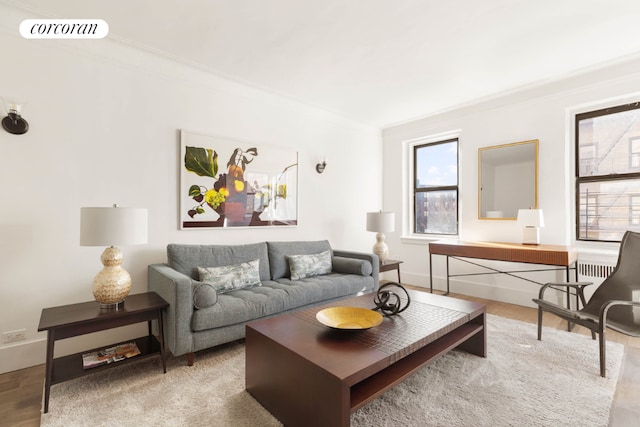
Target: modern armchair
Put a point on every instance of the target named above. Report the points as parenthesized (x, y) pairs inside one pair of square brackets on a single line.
[(614, 305)]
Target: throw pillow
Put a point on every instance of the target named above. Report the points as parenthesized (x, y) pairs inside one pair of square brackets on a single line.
[(204, 295), (229, 278), (351, 266), (302, 266)]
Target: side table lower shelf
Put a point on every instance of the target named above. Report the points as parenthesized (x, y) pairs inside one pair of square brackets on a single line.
[(66, 368)]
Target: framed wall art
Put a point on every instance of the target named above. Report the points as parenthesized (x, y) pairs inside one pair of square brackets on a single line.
[(225, 182)]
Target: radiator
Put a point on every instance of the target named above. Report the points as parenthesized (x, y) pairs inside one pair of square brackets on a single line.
[(588, 270), (594, 271)]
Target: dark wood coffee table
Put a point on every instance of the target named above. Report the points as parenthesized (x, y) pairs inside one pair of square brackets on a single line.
[(306, 374)]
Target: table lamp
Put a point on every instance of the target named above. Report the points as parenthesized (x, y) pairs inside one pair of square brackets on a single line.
[(110, 226), (530, 220), (380, 222)]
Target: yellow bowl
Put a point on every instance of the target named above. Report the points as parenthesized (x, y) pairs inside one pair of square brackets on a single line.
[(349, 318)]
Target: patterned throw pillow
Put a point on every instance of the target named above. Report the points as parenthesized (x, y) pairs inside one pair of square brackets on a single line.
[(231, 277), (302, 266)]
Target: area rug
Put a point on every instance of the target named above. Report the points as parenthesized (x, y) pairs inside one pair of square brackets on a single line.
[(523, 381)]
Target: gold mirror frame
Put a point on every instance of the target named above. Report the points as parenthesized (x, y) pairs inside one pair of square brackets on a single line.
[(498, 162)]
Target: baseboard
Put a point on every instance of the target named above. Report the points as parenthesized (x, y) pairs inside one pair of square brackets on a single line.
[(520, 296), (22, 355)]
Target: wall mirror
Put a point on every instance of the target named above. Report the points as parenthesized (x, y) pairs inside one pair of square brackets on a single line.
[(507, 179)]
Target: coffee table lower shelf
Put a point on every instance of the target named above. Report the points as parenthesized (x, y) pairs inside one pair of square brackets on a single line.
[(374, 386)]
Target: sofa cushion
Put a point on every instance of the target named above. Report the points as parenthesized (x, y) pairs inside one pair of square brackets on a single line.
[(275, 297), (302, 266), (187, 258), (228, 278), (204, 295), (346, 265), (278, 252)]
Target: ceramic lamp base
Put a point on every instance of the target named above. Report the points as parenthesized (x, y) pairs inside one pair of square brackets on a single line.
[(380, 248), (113, 283), (530, 236)]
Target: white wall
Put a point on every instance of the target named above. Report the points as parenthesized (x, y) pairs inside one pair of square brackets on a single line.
[(542, 112), (104, 128)]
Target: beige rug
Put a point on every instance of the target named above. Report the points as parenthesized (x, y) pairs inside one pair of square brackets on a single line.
[(554, 382)]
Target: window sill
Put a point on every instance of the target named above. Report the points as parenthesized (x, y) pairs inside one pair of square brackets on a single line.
[(420, 240)]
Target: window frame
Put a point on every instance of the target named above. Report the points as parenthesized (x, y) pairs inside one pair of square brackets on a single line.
[(416, 190), (611, 177)]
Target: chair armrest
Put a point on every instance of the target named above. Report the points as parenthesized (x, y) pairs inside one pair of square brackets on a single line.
[(604, 310), (556, 309), (177, 290), (570, 284), (579, 286)]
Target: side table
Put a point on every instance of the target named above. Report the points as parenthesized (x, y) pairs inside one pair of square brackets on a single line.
[(391, 264), (83, 318)]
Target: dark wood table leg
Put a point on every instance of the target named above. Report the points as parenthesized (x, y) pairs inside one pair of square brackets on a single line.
[(49, 369), (292, 388), (161, 339), (447, 293), (569, 324), (430, 272), (477, 344)]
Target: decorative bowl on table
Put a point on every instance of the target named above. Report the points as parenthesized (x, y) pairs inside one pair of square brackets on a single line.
[(349, 318)]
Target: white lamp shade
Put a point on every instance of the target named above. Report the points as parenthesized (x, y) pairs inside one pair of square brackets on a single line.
[(530, 218), (381, 222), (113, 226)]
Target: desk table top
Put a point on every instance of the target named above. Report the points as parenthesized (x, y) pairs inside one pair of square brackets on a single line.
[(505, 251)]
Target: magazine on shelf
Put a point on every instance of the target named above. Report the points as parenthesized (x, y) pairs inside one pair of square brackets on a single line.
[(109, 355)]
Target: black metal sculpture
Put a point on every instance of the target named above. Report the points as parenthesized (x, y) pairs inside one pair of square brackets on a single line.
[(390, 302)]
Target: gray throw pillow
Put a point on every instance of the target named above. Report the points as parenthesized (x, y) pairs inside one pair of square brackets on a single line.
[(204, 295), (229, 278), (302, 266), (345, 265)]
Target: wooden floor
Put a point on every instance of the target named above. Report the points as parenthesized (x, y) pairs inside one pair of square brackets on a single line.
[(21, 391)]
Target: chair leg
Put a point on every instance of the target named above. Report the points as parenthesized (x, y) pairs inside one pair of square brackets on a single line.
[(539, 324), (584, 302), (603, 357)]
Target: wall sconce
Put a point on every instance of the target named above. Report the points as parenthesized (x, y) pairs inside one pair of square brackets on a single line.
[(320, 166), (13, 122)]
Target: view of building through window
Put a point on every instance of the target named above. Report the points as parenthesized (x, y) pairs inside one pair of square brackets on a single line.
[(608, 173), (436, 187)]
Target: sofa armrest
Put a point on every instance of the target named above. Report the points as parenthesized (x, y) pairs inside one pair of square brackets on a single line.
[(372, 258), (177, 289)]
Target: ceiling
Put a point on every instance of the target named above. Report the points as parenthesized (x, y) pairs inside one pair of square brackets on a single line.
[(379, 62)]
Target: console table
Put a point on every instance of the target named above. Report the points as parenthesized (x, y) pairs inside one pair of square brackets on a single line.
[(78, 319), (560, 257)]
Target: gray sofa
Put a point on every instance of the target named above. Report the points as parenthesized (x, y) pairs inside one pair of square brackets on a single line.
[(199, 317)]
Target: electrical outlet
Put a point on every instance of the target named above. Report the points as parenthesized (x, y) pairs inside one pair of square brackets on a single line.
[(11, 336)]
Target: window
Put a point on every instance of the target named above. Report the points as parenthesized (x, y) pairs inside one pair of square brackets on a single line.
[(608, 173), (435, 187), (634, 155), (634, 202)]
